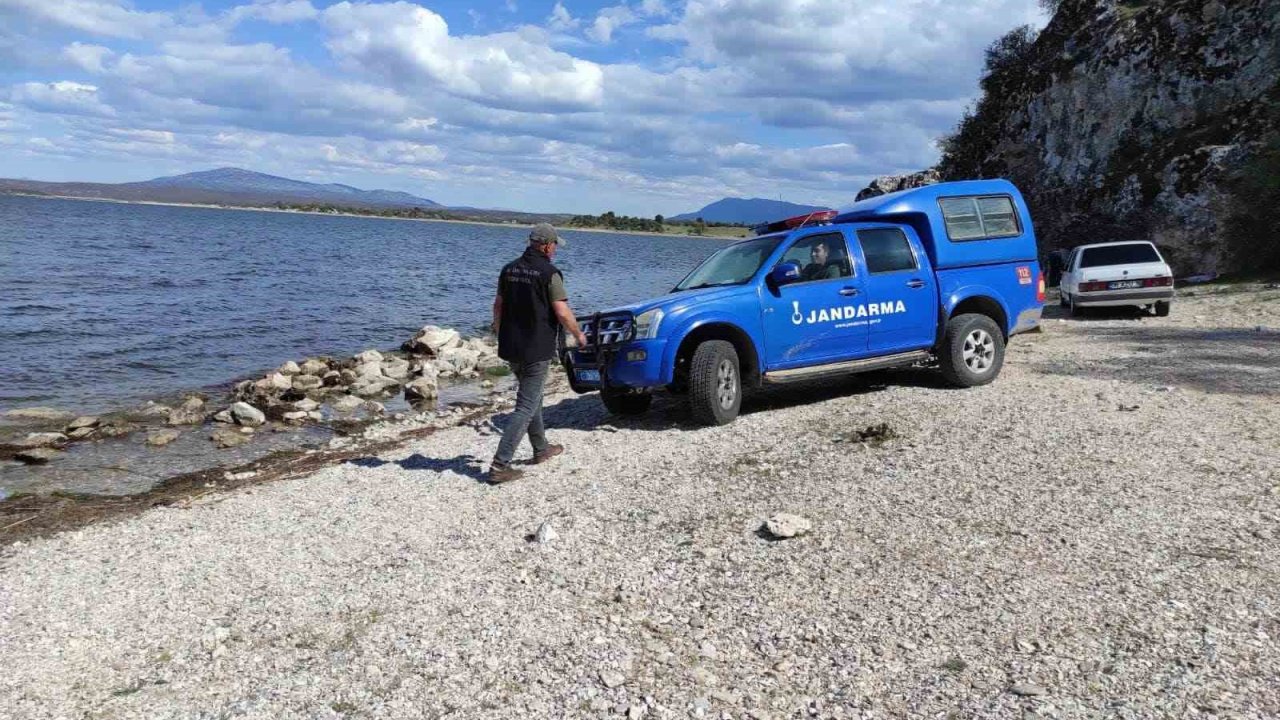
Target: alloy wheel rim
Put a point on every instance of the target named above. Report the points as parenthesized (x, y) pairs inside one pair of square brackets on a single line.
[(979, 351), (726, 384)]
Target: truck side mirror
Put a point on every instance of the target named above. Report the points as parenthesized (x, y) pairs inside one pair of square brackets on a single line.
[(784, 274)]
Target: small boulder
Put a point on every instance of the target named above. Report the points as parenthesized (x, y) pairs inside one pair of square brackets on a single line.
[(83, 433), (368, 356), (395, 368), (462, 359), (306, 405), (374, 407), (422, 388), (191, 412), (786, 525), (347, 376), (612, 678), (247, 415), (315, 366), (331, 378), (346, 403), (154, 410), (37, 456), (431, 340), (296, 417), (116, 429), (278, 381), (42, 439), (160, 438), (488, 362), (39, 414), (84, 421), (226, 437), (223, 416), (307, 382), (289, 368)]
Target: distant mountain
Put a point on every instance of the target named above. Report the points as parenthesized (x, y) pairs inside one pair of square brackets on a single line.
[(229, 186), (748, 211)]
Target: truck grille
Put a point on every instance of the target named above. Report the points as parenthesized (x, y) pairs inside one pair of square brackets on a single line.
[(606, 331)]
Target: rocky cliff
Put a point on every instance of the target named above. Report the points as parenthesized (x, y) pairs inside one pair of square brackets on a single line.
[(1130, 119)]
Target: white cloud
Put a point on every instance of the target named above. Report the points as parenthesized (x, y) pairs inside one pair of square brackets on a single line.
[(66, 97), (560, 20), (608, 21), (408, 46), (274, 11), (87, 57), (96, 17)]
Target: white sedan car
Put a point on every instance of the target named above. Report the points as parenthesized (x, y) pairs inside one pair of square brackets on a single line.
[(1116, 274)]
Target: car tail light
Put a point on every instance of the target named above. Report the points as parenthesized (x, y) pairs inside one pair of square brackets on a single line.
[(1158, 282), (1092, 286), (1040, 288)]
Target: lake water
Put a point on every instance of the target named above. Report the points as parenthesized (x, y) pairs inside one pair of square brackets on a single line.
[(105, 304)]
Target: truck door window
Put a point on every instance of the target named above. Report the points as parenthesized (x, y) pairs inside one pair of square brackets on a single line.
[(887, 250), (820, 257)]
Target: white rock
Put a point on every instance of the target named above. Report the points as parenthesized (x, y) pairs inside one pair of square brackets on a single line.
[(279, 381), (346, 403), (84, 421), (289, 368), (434, 339), (295, 417), (368, 356), (786, 525), (247, 415), (369, 370), (463, 360), (307, 382), (223, 416), (306, 405), (395, 368), (423, 388), (314, 366), (546, 533), (160, 438), (42, 439), (612, 678)]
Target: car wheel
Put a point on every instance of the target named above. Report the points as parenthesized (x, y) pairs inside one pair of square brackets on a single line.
[(1163, 307), (1076, 311), (972, 351), (715, 383), (626, 403)]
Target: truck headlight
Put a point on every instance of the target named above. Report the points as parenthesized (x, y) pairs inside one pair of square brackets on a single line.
[(647, 324)]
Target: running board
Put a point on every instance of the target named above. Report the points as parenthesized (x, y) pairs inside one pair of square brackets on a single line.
[(849, 366)]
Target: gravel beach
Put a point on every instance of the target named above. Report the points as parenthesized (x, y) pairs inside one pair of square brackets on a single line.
[(1093, 535)]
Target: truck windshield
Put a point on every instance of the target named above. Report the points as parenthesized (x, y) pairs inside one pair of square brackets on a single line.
[(1127, 254), (733, 265)]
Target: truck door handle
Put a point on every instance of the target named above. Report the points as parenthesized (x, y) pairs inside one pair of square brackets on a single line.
[(849, 291), (915, 283)]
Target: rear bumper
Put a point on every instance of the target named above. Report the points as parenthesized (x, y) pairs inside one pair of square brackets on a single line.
[(1145, 296)]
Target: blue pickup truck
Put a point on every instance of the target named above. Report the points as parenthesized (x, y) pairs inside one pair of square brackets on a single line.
[(945, 273)]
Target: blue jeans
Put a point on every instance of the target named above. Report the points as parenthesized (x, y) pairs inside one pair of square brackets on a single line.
[(527, 417)]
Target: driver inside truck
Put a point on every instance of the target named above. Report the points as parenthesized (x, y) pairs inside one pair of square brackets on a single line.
[(820, 267)]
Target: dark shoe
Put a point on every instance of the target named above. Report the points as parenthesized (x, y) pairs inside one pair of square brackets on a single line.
[(545, 455), (499, 474)]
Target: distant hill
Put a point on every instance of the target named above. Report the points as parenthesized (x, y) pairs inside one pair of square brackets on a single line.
[(748, 211), (228, 186)]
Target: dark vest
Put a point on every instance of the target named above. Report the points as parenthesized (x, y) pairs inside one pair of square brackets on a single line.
[(528, 328)]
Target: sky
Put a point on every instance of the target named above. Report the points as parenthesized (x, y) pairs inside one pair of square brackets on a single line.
[(642, 107)]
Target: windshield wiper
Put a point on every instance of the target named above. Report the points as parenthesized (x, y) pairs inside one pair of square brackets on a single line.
[(706, 285)]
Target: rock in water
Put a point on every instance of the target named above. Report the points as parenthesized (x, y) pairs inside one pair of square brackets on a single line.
[(423, 388), (289, 368), (431, 340), (346, 403), (39, 414), (84, 421), (368, 356), (40, 440), (225, 437), (81, 433), (191, 412), (786, 525), (395, 368), (224, 416), (247, 415), (37, 456), (160, 438)]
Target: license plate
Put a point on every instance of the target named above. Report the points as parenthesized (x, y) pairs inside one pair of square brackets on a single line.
[(588, 376), (1125, 284)]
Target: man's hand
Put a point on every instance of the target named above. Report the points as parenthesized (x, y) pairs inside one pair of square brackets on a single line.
[(580, 339)]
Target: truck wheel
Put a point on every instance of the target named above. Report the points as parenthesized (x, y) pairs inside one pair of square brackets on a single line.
[(1162, 308), (715, 383), (625, 403), (972, 350)]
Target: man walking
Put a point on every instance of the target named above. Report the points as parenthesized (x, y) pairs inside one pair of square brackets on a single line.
[(530, 307)]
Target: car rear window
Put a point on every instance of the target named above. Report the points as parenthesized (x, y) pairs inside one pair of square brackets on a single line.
[(1127, 254), (979, 217)]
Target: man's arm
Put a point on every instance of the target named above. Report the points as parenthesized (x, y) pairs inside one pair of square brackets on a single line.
[(497, 312), (568, 321)]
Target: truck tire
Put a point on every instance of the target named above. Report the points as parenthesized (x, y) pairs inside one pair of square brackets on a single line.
[(624, 403), (972, 350), (1163, 307), (715, 383)]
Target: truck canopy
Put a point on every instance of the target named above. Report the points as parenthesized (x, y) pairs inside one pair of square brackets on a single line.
[(962, 224)]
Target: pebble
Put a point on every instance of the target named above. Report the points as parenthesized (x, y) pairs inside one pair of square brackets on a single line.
[(546, 533), (786, 525), (612, 679)]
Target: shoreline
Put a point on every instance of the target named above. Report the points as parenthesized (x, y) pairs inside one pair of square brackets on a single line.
[(485, 223)]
